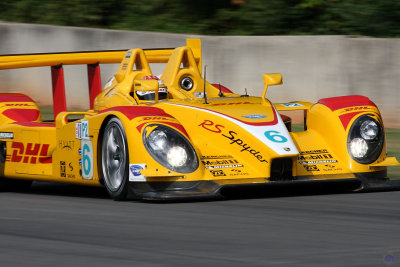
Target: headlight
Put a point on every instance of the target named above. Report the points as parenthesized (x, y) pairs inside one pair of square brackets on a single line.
[(365, 140), (170, 148), (358, 147), (369, 129)]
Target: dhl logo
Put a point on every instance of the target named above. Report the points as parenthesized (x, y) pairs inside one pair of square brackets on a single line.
[(353, 109), (32, 153), (230, 104), (18, 105), (156, 118)]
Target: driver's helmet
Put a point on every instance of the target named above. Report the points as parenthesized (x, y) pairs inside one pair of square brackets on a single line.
[(150, 95)]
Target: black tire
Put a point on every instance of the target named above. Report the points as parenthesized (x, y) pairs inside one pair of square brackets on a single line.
[(115, 159)]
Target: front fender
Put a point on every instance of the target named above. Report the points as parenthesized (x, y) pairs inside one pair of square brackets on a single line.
[(329, 121), (135, 120)]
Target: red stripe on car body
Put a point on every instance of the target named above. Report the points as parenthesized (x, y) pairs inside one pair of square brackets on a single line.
[(339, 102)]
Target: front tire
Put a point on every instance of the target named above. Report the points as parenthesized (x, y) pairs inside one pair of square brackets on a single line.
[(115, 159)]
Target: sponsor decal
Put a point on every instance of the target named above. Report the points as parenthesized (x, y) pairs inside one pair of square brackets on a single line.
[(210, 126), (330, 167), (63, 172), (71, 168), (78, 130), (318, 162), (135, 174), (156, 118), (221, 163), (217, 128), (31, 153), (314, 157), (254, 116), (87, 159), (224, 166), (245, 147), (128, 54), (6, 135), (292, 105), (321, 151), (237, 172), (230, 104), (66, 144), (311, 168), (361, 108), (217, 157), (217, 173), (82, 130), (17, 105)]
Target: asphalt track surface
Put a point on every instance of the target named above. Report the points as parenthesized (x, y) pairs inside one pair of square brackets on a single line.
[(66, 225)]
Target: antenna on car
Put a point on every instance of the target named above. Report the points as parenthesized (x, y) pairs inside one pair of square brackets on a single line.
[(204, 92), (245, 94), (220, 91)]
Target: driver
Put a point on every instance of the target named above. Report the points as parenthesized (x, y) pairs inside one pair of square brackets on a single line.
[(150, 95)]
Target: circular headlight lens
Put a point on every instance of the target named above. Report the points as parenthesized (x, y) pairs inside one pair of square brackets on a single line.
[(358, 147), (177, 156), (369, 130), (170, 148), (157, 140), (365, 139)]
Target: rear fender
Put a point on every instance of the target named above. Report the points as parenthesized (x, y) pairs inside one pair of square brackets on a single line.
[(18, 108)]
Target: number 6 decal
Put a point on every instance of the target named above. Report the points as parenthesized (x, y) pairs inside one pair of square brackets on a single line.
[(87, 159), (275, 136)]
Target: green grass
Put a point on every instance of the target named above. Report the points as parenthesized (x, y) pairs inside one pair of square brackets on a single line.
[(47, 114), (393, 150)]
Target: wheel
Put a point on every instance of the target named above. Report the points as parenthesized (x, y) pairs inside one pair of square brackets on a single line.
[(114, 160)]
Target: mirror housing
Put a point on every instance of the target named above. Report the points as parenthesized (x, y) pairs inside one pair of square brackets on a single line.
[(271, 79)]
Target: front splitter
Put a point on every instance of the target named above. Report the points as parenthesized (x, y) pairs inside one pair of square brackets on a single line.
[(215, 189)]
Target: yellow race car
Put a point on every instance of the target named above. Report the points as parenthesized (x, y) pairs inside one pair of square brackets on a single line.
[(177, 136)]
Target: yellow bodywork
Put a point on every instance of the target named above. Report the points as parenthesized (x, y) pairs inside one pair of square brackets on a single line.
[(236, 138)]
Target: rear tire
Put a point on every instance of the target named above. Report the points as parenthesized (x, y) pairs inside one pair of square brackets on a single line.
[(115, 160)]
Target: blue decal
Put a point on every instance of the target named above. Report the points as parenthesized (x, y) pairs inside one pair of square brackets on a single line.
[(275, 136), (135, 169), (255, 116)]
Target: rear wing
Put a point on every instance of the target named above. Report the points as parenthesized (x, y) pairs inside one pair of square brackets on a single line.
[(92, 59)]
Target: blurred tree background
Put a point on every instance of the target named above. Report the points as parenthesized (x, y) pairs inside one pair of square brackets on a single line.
[(216, 17)]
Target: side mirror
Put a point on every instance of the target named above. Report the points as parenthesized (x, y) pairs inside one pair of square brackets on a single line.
[(271, 79), (146, 86)]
